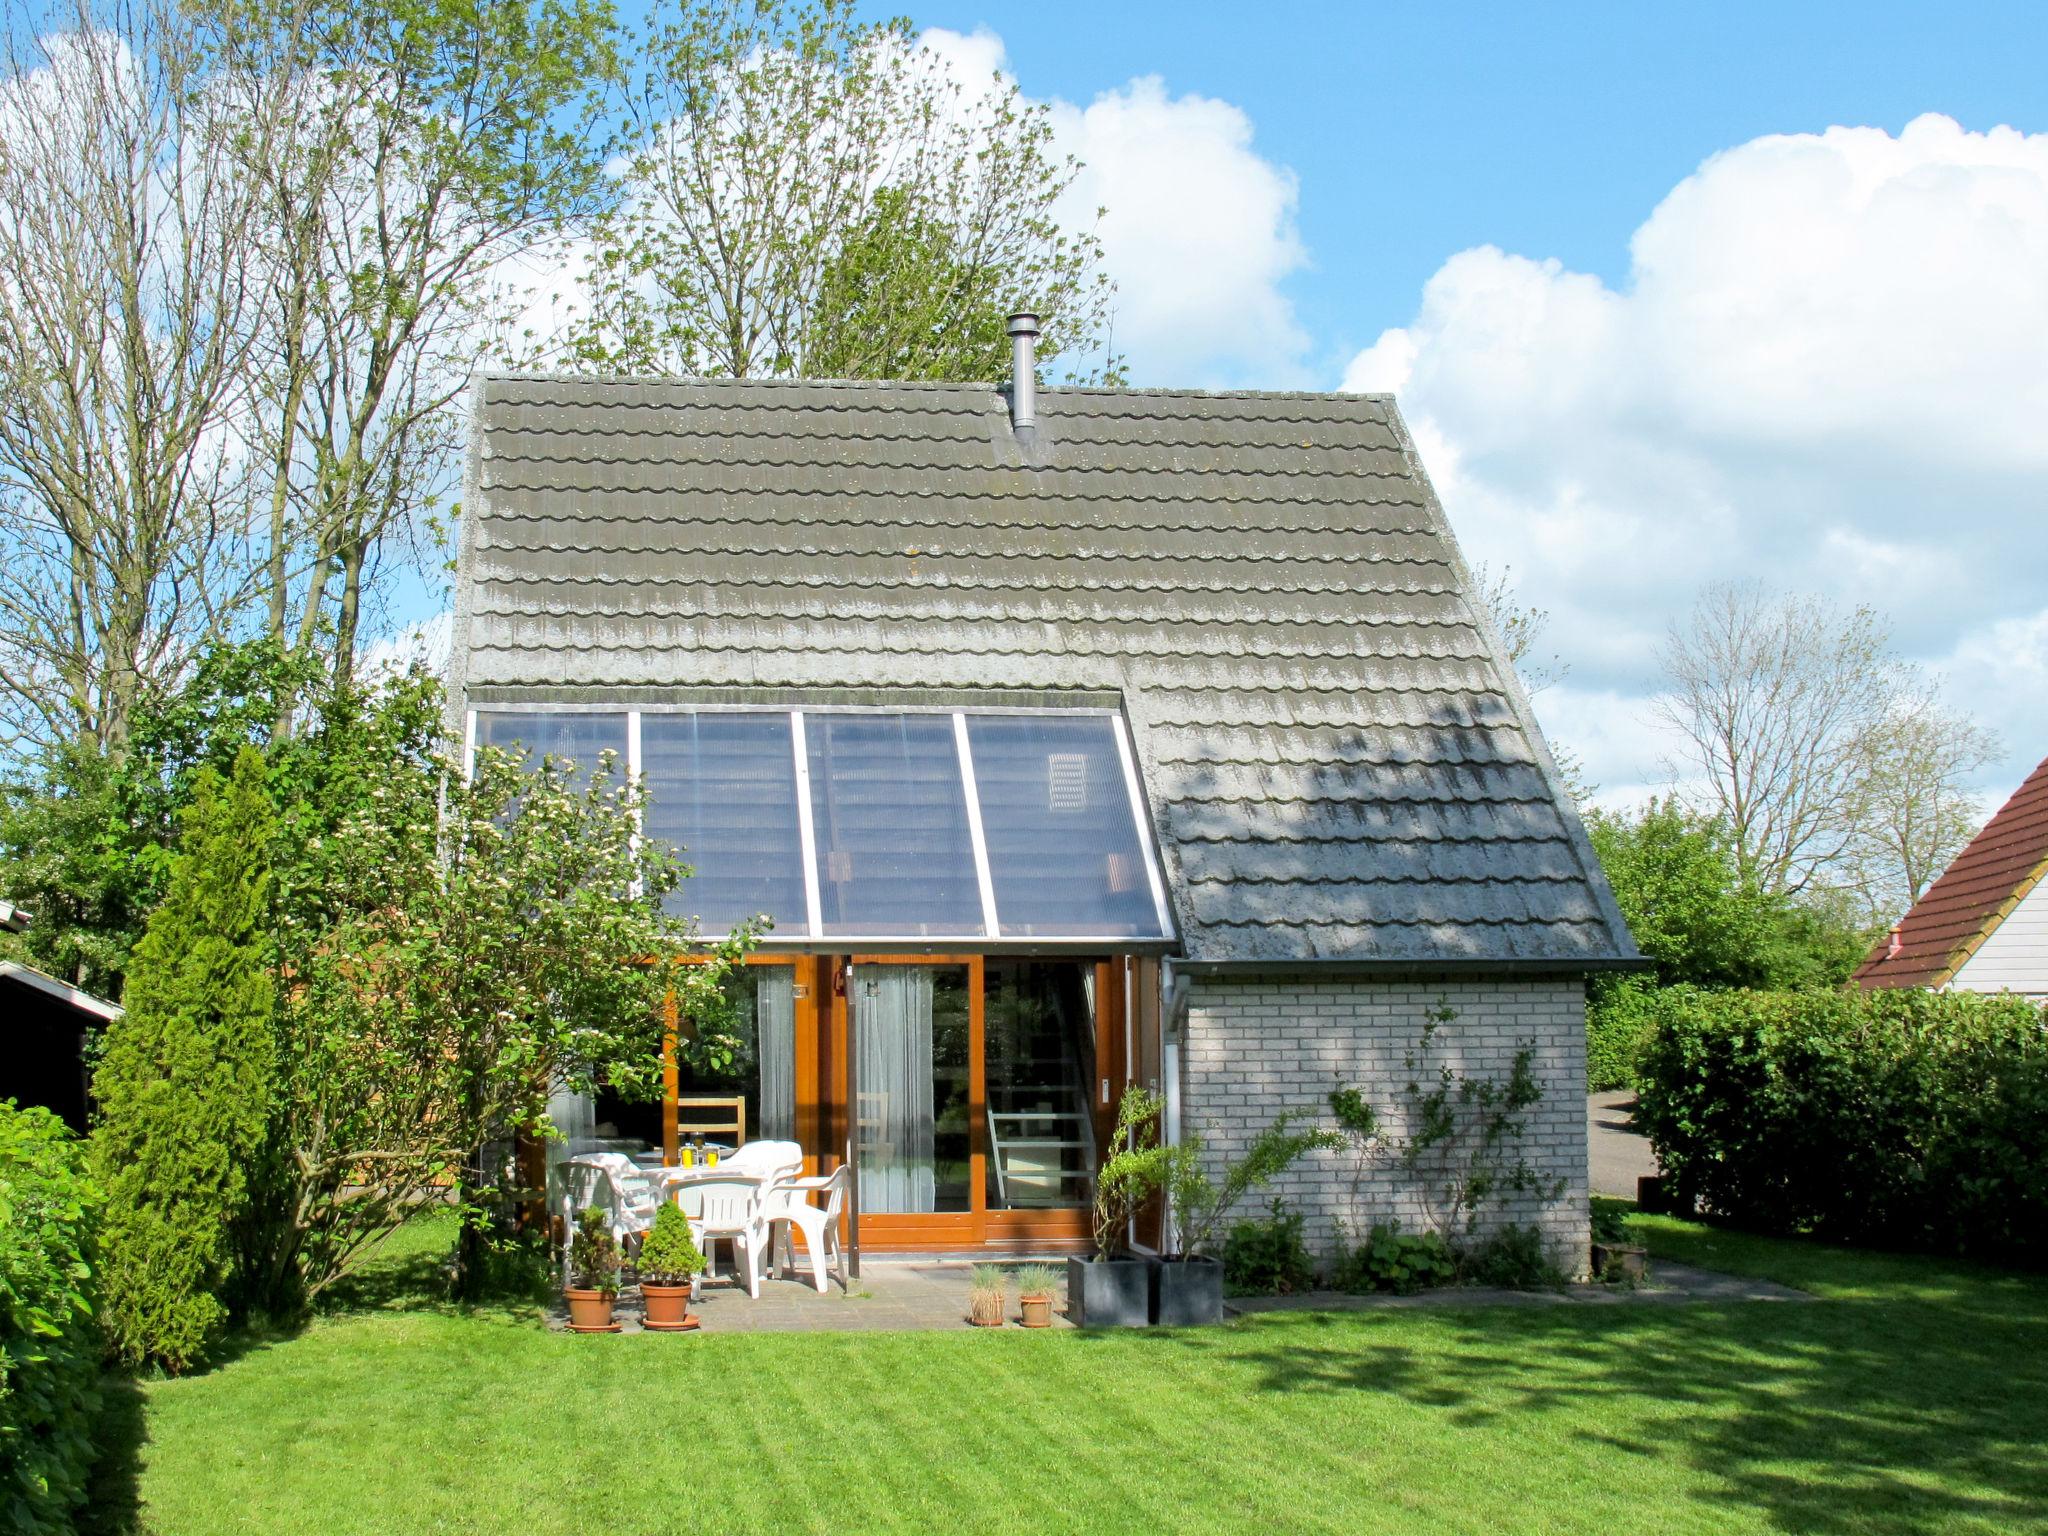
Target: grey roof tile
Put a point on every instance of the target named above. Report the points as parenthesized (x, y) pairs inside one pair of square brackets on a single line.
[(1339, 765)]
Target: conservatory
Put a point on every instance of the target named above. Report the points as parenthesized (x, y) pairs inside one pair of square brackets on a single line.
[(961, 912)]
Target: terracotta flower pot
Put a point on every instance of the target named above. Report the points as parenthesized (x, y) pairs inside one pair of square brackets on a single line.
[(590, 1311), (667, 1308), (1037, 1310), (985, 1309)]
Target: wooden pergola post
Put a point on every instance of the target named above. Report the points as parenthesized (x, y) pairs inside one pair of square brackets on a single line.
[(671, 1081)]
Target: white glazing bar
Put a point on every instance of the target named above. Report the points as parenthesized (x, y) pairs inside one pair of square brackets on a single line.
[(974, 833), (633, 778), (807, 836), (469, 747), (1144, 824)]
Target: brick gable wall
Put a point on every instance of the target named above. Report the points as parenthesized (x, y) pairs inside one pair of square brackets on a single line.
[(1256, 1047)]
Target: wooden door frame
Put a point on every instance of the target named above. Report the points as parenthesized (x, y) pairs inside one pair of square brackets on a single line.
[(1057, 1230), (805, 1025), (931, 1230)]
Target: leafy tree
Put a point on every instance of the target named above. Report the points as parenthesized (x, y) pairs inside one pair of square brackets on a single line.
[(781, 159), (1829, 759), (422, 158), (1676, 880), (86, 841), (897, 301), (186, 1080), (1921, 811), (127, 324), (472, 955)]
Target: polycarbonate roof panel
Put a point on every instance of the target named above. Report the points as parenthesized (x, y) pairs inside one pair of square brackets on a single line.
[(897, 801), (721, 787), (578, 738), (1063, 847), (895, 855)]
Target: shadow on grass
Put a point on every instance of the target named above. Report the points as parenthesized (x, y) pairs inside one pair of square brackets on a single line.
[(1916, 1399), (114, 1501)]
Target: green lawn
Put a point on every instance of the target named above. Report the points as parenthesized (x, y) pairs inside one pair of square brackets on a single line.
[(1914, 1397)]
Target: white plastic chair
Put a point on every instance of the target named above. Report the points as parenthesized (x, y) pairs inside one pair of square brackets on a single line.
[(731, 1207), (610, 1181), (766, 1160), (788, 1205)]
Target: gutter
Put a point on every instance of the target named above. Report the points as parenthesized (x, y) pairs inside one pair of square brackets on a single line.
[(1404, 969)]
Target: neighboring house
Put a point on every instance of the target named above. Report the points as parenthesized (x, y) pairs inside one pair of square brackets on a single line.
[(43, 1040), (1072, 740), (1983, 926)]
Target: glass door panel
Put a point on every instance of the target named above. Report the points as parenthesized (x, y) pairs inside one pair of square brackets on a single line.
[(1039, 1055), (912, 1047)]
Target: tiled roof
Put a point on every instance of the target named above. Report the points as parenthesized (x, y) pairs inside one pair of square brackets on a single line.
[(1959, 911), (1339, 764)]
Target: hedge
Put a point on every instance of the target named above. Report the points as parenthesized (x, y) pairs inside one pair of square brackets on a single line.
[(1897, 1118), (1621, 1011), (50, 1344)]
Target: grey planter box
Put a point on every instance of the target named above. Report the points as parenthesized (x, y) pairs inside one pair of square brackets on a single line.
[(1109, 1293), (1188, 1293)]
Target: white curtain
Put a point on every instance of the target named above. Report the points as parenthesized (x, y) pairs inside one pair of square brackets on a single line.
[(775, 1037), (893, 1062)]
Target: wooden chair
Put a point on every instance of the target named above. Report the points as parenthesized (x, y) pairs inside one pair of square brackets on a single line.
[(717, 1119)]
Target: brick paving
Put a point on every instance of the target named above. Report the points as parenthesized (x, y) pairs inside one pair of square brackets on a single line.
[(891, 1296)]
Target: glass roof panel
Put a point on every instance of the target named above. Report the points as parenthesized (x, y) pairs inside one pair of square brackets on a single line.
[(1063, 846), (577, 736), (722, 788), (895, 857)]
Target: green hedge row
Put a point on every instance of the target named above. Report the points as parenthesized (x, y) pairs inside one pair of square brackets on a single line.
[(1621, 1012), (1897, 1118), (50, 1344)]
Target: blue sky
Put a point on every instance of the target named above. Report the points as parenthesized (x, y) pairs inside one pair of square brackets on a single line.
[(1419, 130)]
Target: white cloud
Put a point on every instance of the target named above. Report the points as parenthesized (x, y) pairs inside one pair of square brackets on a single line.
[(1200, 231), (1828, 368)]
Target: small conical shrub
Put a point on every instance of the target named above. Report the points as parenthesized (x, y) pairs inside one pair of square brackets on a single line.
[(184, 1083)]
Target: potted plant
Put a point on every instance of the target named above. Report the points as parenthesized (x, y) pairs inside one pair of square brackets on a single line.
[(593, 1275), (669, 1266), (1114, 1289), (1035, 1285), (985, 1299), (1189, 1291)]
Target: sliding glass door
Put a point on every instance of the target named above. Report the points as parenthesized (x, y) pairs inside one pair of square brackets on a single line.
[(914, 1033)]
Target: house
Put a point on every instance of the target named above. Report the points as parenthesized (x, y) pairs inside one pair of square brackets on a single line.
[(47, 1027), (1071, 738), (1983, 926)]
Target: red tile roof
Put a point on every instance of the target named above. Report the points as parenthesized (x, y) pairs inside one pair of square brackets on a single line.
[(1959, 911)]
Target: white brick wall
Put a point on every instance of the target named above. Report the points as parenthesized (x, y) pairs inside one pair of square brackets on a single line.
[(1256, 1047)]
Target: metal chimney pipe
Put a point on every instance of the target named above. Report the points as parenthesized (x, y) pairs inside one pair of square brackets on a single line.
[(1023, 328)]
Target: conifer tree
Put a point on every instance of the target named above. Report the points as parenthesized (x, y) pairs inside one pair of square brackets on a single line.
[(184, 1085)]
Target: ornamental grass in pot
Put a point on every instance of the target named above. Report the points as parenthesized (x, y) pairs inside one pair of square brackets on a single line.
[(1189, 1292), (1114, 1288), (669, 1266), (593, 1285), (1036, 1284), (985, 1300)]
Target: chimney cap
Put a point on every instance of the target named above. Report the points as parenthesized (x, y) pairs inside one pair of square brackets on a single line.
[(1023, 323)]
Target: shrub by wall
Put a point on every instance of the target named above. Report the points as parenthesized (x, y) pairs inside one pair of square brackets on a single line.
[(1897, 1118), (49, 1340)]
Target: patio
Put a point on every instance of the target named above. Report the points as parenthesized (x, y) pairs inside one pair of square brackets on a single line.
[(891, 1296)]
